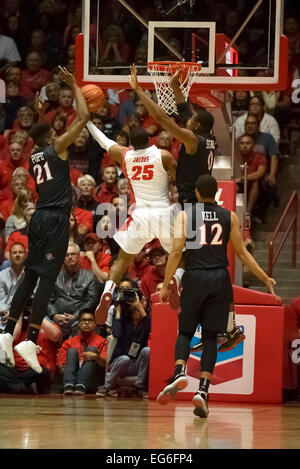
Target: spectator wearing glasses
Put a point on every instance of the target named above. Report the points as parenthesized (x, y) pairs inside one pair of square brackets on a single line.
[(74, 289), (267, 122), (82, 358)]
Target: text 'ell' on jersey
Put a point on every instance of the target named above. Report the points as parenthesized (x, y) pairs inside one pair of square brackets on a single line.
[(147, 176), (190, 167), (207, 236), (52, 178)]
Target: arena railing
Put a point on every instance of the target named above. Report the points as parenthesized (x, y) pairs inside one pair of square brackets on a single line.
[(292, 207)]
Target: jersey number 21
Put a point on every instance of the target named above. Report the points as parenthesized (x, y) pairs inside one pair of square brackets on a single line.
[(42, 173)]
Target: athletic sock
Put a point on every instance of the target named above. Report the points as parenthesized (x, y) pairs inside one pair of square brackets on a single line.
[(230, 321), (179, 273), (110, 285), (179, 369), (204, 384)]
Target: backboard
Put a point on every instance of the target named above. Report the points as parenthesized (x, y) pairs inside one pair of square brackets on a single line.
[(238, 49)]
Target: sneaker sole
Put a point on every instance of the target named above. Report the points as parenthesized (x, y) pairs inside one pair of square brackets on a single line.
[(231, 347), (201, 409), (174, 296), (38, 369), (7, 359), (170, 391), (102, 308)]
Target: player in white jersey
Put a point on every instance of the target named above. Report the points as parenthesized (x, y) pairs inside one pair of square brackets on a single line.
[(147, 170)]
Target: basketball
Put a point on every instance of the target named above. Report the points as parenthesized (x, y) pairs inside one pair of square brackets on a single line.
[(94, 97)]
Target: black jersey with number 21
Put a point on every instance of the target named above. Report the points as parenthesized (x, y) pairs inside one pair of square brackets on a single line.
[(52, 178), (207, 236)]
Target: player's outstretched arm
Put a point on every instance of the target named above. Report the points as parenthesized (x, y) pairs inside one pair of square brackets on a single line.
[(114, 150), (81, 106), (169, 163), (179, 98), (245, 257), (186, 136), (64, 141)]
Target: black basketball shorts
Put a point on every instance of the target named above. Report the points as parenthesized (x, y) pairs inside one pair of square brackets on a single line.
[(205, 299), (48, 238)]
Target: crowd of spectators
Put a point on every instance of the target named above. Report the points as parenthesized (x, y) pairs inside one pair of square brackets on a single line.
[(34, 40)]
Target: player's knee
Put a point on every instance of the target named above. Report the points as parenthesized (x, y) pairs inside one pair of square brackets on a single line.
[(208, 335)]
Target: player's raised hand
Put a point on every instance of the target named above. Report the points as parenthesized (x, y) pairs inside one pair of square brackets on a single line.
[(175, 80), (270, 282), (133, 77), (38, 105), (67, 77)]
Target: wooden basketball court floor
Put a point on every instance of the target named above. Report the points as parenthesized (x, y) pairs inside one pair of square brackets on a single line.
[(57, 422)]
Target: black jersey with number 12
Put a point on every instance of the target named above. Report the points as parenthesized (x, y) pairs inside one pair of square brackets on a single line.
[(207, 236), (52, 178)]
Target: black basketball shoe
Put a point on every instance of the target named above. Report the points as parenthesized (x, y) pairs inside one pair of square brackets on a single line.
[(200, 401), (176, 383), (233, 338)]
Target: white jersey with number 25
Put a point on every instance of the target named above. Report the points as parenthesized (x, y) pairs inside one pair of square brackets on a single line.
[(147, 176)]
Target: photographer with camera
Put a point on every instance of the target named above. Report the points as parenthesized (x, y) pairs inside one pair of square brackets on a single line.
[(131, 326)]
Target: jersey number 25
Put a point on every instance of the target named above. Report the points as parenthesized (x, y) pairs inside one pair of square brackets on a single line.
[(143, 172)]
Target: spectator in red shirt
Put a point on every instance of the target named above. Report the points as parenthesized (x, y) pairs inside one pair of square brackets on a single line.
[(24, 119), (21, 378), (108, 189), (21, 137), (165, 141), (84, 220), (257, 165), (34, 76), (74, 237), (94, 258), (16, 160), (65, 107), (139, 267), (158, 259), (59, 124), (147, 121), (295, 305), (82, 358), (14, 74), (20, 172), (6, 205)]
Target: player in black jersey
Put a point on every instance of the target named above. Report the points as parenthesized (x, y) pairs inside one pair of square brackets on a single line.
[(48, 233), (196, 157), (204, 230)]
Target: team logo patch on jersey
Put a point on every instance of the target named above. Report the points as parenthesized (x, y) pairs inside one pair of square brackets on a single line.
[(210, 144), (49, 256)]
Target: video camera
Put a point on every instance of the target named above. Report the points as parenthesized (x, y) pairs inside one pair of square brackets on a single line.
[(128, 295)]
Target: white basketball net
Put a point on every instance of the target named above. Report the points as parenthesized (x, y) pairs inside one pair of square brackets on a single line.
[(162, 74)]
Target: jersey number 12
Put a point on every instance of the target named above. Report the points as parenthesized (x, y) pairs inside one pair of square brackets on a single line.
[(216, 231), (42, 173)]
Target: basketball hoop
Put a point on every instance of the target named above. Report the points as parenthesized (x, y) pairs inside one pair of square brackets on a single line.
[(162, 72)]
